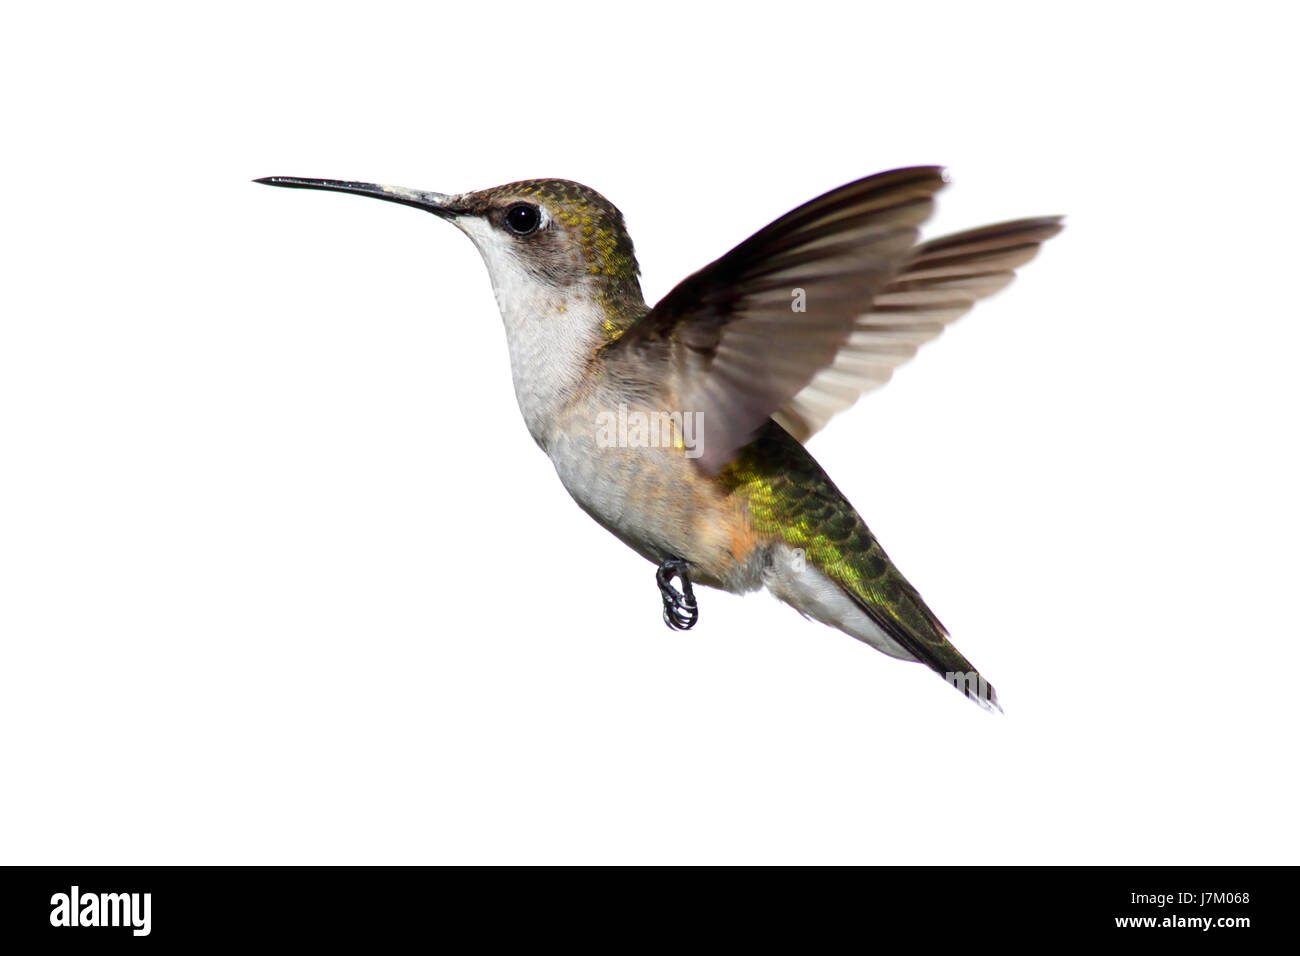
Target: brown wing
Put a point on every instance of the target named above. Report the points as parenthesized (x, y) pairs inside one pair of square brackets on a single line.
[(737, 345), (939, 284)]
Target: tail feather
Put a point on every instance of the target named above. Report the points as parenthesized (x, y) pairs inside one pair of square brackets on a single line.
[(928, 642), (832, 568)]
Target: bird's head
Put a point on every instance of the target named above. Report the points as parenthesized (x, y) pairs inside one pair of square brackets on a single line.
[(543, 240)]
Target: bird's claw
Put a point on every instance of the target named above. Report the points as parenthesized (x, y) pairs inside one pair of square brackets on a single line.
[(680, 610)]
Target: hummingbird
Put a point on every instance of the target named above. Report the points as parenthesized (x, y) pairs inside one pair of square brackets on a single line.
[(681, 427)]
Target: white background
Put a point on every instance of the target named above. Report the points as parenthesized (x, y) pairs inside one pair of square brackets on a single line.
[(284, 579)]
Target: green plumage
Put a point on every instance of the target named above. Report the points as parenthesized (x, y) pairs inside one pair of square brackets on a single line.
[(790, 497)]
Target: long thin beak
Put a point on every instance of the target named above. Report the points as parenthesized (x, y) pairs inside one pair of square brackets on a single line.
[(439, 204)]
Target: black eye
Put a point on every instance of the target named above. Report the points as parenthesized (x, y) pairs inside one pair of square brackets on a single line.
[(522, 218)]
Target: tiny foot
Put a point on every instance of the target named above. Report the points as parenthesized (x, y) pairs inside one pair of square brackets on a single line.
[(680, 610)]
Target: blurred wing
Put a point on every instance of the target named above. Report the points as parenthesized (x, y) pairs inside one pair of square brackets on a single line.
[(733, 334), (940, 282)]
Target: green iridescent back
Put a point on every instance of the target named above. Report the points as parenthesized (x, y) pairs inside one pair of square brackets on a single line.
[(792, 498)]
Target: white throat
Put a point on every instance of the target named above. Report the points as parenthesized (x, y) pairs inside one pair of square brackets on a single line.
[(550, 334)]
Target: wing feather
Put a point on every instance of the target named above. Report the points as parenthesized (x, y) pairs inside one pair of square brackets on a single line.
[(737, 349), (941, 281), (734, 333)]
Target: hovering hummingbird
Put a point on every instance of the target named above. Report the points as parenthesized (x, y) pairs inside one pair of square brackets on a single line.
[(681, 428)]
